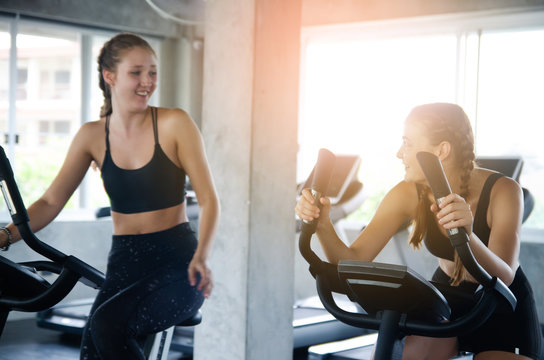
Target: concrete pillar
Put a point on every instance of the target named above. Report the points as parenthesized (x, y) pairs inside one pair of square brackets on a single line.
[(181, 74), (249, 123)]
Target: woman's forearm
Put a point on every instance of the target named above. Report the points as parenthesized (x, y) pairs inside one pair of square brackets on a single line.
[(40, 213), (208, 223), (491, 262), (333, 247)]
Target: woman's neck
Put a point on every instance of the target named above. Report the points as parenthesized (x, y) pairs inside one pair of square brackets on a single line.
[(128, 120), (455, 178)]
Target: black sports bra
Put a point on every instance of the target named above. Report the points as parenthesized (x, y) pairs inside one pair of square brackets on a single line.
[(157, 185), (439, 245)]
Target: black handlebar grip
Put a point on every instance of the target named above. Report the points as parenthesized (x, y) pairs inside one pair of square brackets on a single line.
[(14, 201), (436, 178), (5, 169), (434, 173)]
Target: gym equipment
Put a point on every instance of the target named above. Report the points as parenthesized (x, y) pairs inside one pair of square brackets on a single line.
[(510, 166), (344, 171), (396, 299), (312, 324), (23, 289), (344, 190), (361, 347)]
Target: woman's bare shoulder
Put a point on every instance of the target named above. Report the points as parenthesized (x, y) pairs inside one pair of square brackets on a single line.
[(177, 122), (92, 128), (405, 189), (173, 115), (404, 197), (90, 138), (504, 183)]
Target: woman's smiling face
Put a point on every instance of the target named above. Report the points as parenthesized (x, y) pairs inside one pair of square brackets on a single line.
[(135, 78), (414, 140)]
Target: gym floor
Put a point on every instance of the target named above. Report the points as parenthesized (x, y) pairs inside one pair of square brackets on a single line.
[(23, 340)]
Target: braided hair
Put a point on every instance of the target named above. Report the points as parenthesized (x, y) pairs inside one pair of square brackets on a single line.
[(444, 122), (110, 56)]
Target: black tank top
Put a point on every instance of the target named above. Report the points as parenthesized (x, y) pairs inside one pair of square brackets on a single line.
[(157, 185), (439, 245)]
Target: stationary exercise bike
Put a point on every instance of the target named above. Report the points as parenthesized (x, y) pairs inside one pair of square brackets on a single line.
[(397, 300), (23, 289)]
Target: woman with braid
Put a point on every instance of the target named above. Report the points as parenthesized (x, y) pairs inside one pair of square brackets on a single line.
[(487, 204), (157, 273)]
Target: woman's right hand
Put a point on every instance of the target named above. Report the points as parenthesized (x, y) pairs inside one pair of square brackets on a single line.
[(200, 275), (307, 208)]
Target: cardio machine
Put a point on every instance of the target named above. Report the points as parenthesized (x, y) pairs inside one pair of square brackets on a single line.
[(22, 288), (397, 300), (312, 324)]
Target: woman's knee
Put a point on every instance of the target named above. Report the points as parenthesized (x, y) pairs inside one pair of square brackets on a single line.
[(100, 323), (112, 341), (106, 330)]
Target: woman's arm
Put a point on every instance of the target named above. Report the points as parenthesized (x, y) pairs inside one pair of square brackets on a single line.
[(48, 206), (500, 257), (398, 205), (192, 156)]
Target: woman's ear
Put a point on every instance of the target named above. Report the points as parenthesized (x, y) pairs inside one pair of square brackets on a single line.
[(109, 77), (444, 150)]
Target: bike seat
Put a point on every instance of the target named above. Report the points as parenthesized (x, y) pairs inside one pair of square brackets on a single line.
[(193, 320)]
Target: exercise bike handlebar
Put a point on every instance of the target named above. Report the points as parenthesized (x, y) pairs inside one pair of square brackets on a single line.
[(320, 182), (17, 210), (60, 288), (328, 281), (483, 309), (436, 178), (14, 202)]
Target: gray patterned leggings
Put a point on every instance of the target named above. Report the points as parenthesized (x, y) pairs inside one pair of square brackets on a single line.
[(146, 291)]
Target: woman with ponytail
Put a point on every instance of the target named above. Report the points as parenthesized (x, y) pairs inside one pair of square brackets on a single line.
[(487, 204), (157, 273)]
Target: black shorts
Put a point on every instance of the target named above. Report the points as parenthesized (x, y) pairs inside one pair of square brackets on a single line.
[(505, 330)]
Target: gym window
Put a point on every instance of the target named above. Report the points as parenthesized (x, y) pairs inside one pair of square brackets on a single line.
[(52, 90), (359, 81)]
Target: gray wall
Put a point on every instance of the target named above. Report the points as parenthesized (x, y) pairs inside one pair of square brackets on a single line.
[(136, 15), (121, 15), (325, 12)]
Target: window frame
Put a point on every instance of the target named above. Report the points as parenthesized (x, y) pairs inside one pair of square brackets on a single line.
[(87, 72), (467, 26)]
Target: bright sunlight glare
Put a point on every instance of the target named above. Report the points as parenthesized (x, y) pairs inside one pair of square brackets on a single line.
[(356, 95)]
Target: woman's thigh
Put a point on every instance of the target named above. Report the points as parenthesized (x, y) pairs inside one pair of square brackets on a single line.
[(499, 355), (419, 348), (168, 305)]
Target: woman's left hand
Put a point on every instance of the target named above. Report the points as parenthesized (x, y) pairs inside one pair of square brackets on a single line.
[(454, 212), (201, 275)]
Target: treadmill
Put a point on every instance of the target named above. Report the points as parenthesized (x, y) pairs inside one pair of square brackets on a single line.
[(312, 324)]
